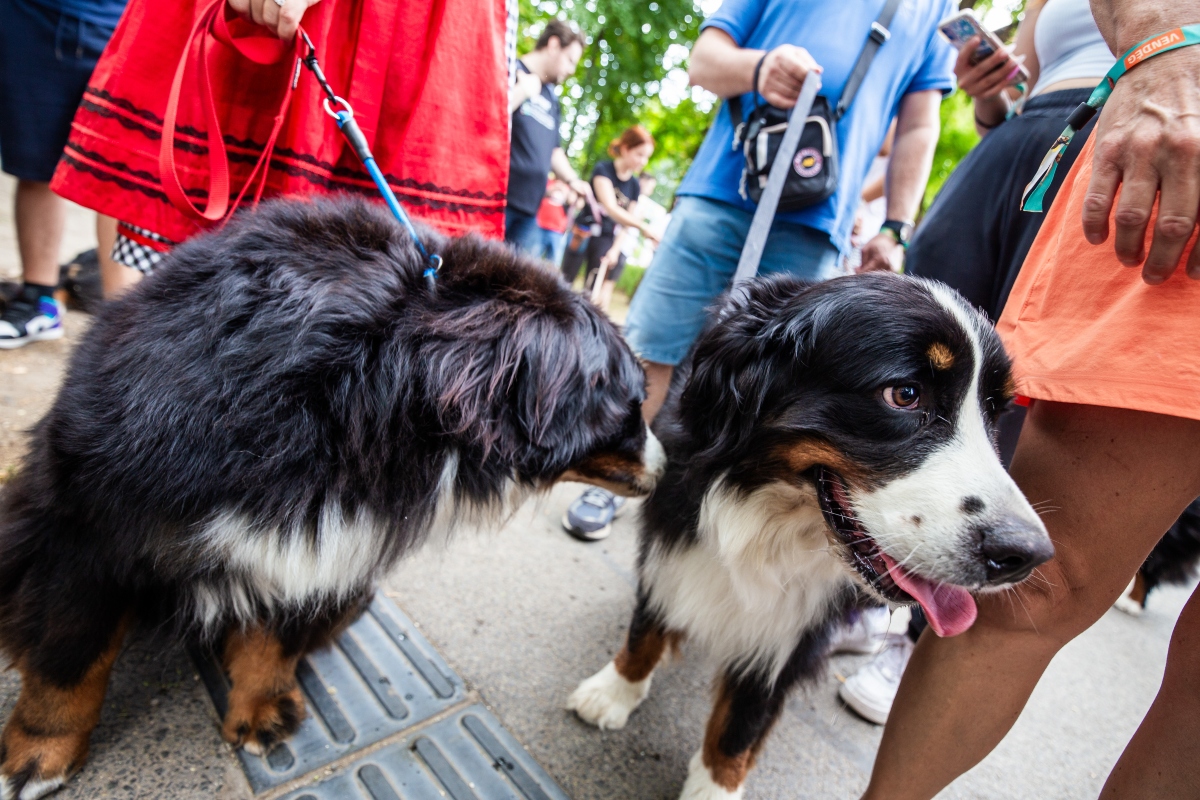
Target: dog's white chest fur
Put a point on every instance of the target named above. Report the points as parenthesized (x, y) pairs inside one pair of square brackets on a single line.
[(761, 574), (343, 556)]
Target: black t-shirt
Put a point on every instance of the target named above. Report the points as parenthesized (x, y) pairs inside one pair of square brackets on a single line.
[(627, 192), (534, 137)]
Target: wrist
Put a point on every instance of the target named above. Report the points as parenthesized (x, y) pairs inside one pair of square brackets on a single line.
[(1130, 29), (898, 230)]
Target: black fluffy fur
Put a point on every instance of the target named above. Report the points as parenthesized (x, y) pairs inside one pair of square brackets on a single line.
[(292, 360), (1174, 558)]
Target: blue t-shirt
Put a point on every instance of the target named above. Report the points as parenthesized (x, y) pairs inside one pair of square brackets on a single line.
[(914, 59)]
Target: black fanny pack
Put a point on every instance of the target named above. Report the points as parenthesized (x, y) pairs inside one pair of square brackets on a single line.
[(813, 177)]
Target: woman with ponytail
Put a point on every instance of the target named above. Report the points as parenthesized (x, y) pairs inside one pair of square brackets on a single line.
[(610, 218)]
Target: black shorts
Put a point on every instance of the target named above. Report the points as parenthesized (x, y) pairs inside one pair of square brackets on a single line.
[(975, 236), (46, 59)]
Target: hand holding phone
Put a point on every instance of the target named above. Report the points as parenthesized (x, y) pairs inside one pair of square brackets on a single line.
[(987, 55)]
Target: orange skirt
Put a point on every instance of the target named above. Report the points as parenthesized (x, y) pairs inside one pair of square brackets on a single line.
[(1083, 328)]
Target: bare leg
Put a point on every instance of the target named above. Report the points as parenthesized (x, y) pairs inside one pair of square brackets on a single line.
[(658, 381), (41, 216), (114, 278), (1163, 758), (1112, 482)]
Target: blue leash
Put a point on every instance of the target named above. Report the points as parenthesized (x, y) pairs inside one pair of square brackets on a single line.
[(354, 135)]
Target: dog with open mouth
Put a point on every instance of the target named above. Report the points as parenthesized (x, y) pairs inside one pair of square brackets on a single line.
[(260, 429), (822, 441)]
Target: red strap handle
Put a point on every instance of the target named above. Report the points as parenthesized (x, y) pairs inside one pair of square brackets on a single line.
[(259, 47)]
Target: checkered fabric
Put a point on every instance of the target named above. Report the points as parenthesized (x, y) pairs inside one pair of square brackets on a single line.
[(141, 257)]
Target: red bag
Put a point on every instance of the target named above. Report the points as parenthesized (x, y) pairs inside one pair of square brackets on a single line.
[(427, 80)]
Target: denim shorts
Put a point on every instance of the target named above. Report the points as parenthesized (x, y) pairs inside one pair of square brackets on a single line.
[(46, 58), (695, 263)]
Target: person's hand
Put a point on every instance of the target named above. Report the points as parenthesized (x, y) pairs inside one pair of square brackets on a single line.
[(649, 234), (582, 188), (281, 19), (1147, 142), (882, 254), (990, 76), (528, 85), (783, 72)]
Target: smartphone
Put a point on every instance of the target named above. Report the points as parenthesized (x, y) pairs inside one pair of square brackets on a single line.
[(963, 26)]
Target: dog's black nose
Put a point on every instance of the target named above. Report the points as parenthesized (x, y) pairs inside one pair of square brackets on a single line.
[(1011, 551)]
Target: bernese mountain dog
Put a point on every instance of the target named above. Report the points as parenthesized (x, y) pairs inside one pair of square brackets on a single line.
[(262, 428), (822, 441)]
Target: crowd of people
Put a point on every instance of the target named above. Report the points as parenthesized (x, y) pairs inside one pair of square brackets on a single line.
[(1106, 364)]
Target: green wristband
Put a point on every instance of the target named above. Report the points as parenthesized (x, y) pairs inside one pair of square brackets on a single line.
[(1035, 191)]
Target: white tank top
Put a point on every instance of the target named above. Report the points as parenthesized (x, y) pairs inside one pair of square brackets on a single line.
[(1068, 44)]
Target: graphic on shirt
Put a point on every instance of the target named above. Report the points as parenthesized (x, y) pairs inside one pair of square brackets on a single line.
[(540, 110), (808, 162)]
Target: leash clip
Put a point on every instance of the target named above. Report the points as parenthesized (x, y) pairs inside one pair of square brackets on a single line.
[(358, 142)]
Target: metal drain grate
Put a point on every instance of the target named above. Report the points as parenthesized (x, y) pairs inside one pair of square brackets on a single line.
[(380, 680), (467, 756)]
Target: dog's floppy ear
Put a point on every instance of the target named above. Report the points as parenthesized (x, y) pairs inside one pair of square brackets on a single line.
[(747, 352), (501, 376)]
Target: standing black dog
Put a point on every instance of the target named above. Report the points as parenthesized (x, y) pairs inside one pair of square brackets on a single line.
[(261, 429), (822, 440)]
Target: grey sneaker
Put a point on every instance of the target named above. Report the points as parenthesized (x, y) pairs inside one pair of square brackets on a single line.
[(590, 517)]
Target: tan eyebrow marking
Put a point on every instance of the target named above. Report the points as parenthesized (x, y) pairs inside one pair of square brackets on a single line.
[(940, 356)]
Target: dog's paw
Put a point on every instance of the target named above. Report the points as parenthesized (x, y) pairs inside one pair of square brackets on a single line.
[(701, 786), (607, 699), (33, 766), (257, 722)]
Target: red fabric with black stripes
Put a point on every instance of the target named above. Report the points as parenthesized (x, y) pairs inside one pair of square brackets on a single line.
[(426, 78)]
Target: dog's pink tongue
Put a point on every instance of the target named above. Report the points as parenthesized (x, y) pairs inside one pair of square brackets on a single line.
[(949, 609)]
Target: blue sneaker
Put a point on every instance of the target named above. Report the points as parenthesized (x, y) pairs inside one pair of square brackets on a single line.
[(590, 517), (30, 318)]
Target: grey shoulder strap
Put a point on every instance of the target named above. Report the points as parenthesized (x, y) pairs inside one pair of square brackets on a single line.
[(760, 226), (875, 39)]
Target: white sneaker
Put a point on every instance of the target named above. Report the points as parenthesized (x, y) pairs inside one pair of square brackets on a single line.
[(871, 690), (866, 635)]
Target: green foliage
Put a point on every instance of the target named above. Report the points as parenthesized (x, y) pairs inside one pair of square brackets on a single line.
[(957, 138), (632, 46), (631, 276)]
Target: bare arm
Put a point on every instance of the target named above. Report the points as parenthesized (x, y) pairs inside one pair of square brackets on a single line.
[(527, 86), (607, 197), (726, 70), (987, 81), (1147, 141), (917, 127), (561, 166)]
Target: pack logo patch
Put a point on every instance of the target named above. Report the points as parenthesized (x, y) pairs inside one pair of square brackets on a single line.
[(808, 162)]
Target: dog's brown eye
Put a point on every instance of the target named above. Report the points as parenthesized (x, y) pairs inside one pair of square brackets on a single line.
[(904, 397)]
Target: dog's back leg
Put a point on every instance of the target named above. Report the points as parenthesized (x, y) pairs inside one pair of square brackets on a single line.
[(608, 698), (64, 676)]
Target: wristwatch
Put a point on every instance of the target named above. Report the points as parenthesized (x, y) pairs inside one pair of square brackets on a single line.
[(901, 230)]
